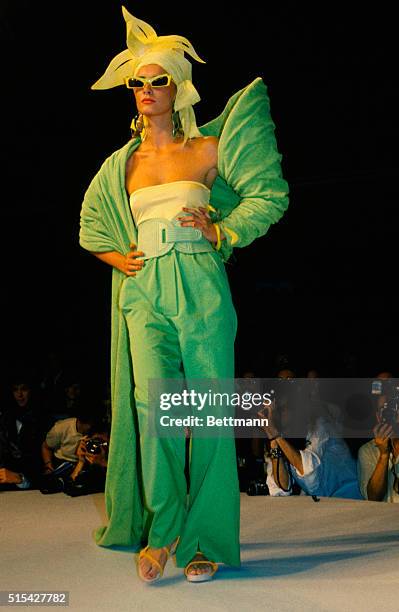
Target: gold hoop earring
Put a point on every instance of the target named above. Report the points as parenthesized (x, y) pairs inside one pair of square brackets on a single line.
[(137, 125)]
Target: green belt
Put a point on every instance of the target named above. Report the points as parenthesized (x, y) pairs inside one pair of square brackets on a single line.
[(158, 236)]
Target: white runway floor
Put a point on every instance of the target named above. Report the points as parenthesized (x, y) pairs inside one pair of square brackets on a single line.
[(335, 555)]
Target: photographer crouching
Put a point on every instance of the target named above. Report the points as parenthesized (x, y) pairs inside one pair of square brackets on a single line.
[(378, 460), (322, 464), (90, 471)]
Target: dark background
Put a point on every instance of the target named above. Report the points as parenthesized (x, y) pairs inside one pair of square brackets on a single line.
[(319, 290)]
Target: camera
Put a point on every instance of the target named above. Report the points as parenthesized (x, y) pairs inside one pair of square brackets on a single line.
[(257, 487), (390, 409), (94, 445), (389, 412)]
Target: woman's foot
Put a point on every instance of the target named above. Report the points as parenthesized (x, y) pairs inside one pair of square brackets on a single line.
[(200, 568), (152, 561)]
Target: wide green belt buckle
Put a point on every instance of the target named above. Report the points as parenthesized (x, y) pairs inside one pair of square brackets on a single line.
[(157, 237), (176, 233)]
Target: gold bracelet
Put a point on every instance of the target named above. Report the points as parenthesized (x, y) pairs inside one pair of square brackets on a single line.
[(219, 242)]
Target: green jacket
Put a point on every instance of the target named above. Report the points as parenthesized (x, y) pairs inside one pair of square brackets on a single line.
[(249, 195)]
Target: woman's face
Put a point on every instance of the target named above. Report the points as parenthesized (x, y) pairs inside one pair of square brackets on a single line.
[(153, 101), (21, 394)]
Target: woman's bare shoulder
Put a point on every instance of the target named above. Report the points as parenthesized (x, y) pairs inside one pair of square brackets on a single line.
[(209, 141), (207, 146)]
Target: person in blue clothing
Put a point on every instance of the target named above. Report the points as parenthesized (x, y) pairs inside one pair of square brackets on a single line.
[(323, 466)]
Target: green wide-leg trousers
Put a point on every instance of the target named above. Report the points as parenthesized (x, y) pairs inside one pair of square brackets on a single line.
[(182, 324)]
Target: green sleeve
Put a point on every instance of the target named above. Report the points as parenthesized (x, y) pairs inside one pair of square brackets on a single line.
[(249, 168), (250, 164)]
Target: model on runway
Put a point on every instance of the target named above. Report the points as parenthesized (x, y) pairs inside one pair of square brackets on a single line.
[(165, 211)]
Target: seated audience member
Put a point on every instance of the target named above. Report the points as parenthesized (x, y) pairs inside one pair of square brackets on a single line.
[(286, 374), (89, 474), (322, 465), (20, 437), (360, 412), (59, 449), (378, 459)]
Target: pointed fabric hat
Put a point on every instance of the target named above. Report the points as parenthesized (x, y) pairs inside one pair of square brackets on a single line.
[(145, 47)]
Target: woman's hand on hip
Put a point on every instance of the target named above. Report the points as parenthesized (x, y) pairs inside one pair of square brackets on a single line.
[(200, 219), (130, 264)]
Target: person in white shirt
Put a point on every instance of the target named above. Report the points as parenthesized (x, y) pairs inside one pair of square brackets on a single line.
[(324, 467), (62, 440), (378, 460)]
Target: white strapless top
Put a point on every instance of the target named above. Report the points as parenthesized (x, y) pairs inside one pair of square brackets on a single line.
[(167, 200)]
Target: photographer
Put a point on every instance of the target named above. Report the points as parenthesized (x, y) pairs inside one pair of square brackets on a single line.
[(378, 459), (323, 466), (89, 473), (59, 449)]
